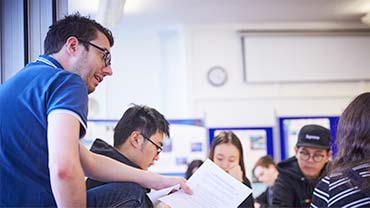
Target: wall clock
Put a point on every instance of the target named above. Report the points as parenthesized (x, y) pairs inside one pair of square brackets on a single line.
[(217, 76)]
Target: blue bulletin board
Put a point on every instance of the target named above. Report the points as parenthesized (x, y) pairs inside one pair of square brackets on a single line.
[(290, 126), (269, 143)]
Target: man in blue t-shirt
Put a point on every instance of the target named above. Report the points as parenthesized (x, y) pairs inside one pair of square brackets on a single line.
[(43, 115)]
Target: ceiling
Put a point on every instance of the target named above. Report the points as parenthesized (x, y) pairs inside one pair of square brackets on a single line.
[(174, 12)]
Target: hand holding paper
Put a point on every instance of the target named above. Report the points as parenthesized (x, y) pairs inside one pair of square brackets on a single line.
[(169, 181), (155, 195), (212, 187)]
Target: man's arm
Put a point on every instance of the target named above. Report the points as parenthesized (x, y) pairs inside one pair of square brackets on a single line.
[(105, 169), (66, 174)]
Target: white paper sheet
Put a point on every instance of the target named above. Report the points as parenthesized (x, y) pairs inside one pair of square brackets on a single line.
[(212, 187), (155, 195)]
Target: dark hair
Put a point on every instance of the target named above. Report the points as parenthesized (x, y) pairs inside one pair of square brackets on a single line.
[(228, 137), (353, 138), (145, 119), (264, 161), (75, 25), (194, 164)]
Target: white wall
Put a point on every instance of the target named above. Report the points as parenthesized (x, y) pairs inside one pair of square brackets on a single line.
[(240, 104), (166, 69), (148, 68)]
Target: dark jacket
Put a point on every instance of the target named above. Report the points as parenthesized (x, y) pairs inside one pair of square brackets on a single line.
[(291, 188), (249, 201), (103, 148), (265, 198)]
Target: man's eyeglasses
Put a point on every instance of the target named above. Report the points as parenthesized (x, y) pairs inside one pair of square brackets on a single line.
[(306, 156), (159, 148), (107, 56)]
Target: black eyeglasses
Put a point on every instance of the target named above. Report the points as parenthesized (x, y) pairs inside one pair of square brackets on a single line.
[(306, 156), (159, 148), (107, 57)]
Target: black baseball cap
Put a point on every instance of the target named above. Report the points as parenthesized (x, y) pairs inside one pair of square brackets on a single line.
[(314, 136)]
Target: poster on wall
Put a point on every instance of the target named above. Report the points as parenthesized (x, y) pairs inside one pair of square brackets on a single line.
[(187, 142), (256, 142)]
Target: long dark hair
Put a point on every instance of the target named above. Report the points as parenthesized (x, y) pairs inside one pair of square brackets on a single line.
[(194, 164), (353, 139), (228, 137)]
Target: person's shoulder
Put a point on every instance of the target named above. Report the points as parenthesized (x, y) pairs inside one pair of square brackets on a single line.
[(287, 163), (362, 167), (61, 73), (289, 167), (262, 198), (51, 74), (290, 177), (64, 81), (325, 181), (103, 148)]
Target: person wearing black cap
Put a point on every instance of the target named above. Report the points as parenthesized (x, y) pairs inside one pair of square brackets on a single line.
[(299, 174)]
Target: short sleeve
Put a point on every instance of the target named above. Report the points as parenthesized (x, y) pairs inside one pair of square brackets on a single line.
[(68, 92)]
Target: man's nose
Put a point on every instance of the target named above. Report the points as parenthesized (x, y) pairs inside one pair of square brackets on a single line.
[(156, 157), (225, 166), (311, 158), (107, 71)]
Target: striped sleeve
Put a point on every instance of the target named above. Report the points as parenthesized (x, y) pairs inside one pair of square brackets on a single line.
[(338, 190), (320, 197)]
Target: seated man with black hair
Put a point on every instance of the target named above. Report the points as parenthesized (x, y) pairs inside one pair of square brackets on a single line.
[(138, 140)]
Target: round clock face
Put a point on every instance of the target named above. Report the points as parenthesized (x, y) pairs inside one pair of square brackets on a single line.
[(217, 76)]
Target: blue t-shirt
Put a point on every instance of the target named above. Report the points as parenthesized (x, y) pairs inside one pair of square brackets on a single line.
[(25, 102)]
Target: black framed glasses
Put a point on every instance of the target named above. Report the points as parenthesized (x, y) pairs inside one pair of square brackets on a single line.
[(159, 148), (107, 56), (306, 156)]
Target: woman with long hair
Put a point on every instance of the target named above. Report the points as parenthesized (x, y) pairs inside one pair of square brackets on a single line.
[(227, 152), (348, 184)]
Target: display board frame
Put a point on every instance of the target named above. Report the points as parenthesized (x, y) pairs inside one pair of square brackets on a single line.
[(268, 130), (333, 123)]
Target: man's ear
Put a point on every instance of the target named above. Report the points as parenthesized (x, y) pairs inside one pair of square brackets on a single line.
[(271, 166), (135, 139), (330, 153), (295, 150), (72, 45)]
